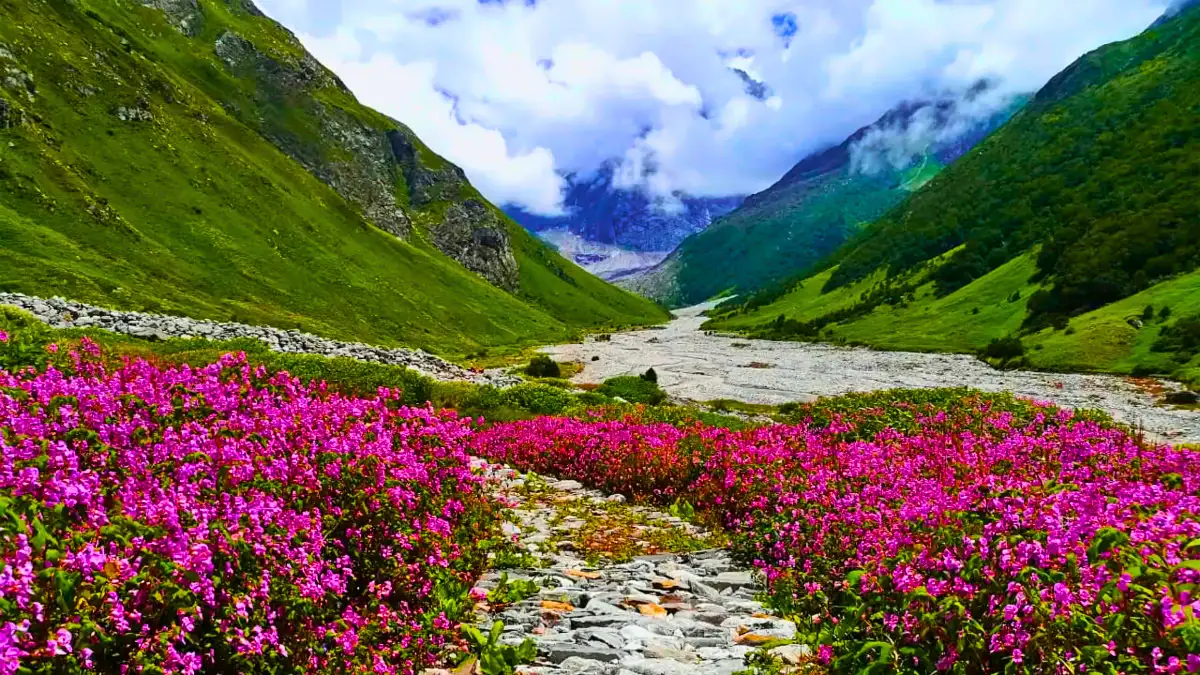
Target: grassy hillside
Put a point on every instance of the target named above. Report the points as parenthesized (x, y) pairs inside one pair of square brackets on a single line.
[(822, 202), (139, 169), (1052, 238), (1100, 171)]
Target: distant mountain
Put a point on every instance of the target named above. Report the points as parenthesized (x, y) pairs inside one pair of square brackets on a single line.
[(191, 157), (1070, 236), (824, 200), (622, 219)]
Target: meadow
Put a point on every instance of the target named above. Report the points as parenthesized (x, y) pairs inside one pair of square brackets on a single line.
[(226, 517)]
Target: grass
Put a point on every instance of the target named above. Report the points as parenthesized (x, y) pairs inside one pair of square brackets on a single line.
[(197, 213), (966, 320)]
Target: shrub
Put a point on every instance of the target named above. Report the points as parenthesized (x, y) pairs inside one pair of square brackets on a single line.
[(540, 399), (633, 389), (222, 519), (542, 366), (1181, 337), (1148, 313), (927, 532), (1005, 348), (650, 376)]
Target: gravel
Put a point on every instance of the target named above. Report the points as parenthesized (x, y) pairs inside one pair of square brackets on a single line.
[(60, 313), (698, 367)]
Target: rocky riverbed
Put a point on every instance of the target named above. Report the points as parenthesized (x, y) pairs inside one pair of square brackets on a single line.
[(659, 613), (697, 366), (60, 313)]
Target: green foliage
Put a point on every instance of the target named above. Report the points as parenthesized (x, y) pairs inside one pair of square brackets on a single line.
[(1181, 337), (1099, 170), (230, 227), (1004, 348), (650, 376), (633, 389), (495, 657), (542, 365), (540, 399), (510, 591)]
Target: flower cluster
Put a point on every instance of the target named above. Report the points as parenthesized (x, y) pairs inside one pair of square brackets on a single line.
[(966, 537), (222, 520)]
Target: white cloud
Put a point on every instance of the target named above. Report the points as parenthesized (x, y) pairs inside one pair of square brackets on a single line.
[(563, 85)]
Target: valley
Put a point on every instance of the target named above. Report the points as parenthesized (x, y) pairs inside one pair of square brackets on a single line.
[(701, 366)]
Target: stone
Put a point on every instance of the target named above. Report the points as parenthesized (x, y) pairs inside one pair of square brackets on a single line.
[(582, 666), (599, 621), (652, 610), (661, 651), (792, 654), (644, 666), (726, 580), (1182, 398), (559, 652), (609, 637)]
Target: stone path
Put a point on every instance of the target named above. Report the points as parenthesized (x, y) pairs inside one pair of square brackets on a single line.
[(667, 613)]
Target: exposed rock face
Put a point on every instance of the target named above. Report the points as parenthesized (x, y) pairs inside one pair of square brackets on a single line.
[(183, 14), (473, 235), (364, 163), (364, 172), (425, 185)]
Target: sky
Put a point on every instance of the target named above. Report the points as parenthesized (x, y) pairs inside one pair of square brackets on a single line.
[(520, 92)]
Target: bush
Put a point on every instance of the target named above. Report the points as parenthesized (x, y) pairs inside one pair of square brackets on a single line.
[(1181, 337), (539, 399), (229, 520), (1005, 348), (634, 390), (1148, 313), (543, 366), (650, 376)]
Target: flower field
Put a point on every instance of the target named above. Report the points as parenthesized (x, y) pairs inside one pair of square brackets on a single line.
[(966, 534), (218, 519), (221, 519)]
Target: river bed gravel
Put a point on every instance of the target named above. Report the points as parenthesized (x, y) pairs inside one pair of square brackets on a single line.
[(697, 366)]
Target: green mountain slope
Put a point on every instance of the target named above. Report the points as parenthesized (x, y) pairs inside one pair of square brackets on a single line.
[(188, 156), (821, 203), (1059, 230)]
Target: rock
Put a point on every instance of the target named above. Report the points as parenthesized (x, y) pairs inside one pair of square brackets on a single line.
[(792, 654), (661, 651), (644, 666), (636, 632), (474, 235), (1136, 323), (560, 652), (1184, 397), (582, 666), (652, 610), (609, 637), (732, 580), (600, 620)]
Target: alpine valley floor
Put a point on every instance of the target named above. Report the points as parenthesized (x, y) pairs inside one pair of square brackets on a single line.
[(698, 366)]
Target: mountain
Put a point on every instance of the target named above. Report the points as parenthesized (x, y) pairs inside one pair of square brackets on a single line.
[(611, 221), (190, 157), (824, 200), (1069, 234)]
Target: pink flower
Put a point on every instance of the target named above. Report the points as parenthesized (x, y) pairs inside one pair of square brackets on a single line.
[(3, 336)]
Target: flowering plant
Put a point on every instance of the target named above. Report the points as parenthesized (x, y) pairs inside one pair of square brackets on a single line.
[(179, 520), (963, 534)]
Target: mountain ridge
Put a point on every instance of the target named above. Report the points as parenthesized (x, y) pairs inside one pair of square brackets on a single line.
[(189, 156), (817, 205), (1064, 241)]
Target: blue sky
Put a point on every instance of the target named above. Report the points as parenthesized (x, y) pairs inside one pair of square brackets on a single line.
[(519, 91)]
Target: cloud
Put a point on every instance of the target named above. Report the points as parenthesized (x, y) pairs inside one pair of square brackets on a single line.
[(518, 92)]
